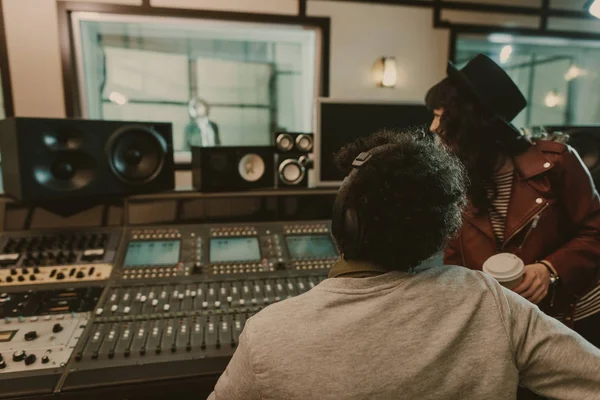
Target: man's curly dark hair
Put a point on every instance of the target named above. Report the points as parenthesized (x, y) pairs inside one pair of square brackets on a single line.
[(408, 199)]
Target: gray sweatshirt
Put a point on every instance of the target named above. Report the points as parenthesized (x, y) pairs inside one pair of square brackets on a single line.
[(443, 333)]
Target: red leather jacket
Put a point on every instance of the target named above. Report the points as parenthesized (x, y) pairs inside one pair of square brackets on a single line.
[(554, 214)]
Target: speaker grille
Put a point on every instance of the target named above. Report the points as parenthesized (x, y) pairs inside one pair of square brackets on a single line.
[(136, 153), (64, 170)]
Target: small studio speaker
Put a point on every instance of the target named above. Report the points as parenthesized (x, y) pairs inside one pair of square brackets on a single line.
[(52, 159), (290, 142), (292, 160), (225, 169)]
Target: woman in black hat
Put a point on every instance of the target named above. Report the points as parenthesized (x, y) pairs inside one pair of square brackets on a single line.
[(533, 199)]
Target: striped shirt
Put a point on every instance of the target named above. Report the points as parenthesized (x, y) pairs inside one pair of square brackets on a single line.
[(589, 304), (499, 206)]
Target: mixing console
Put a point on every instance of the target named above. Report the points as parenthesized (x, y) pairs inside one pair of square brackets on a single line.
[(20, 305), (32, 259), (227, 250), (38, 332), (174, 306), (176, 324)]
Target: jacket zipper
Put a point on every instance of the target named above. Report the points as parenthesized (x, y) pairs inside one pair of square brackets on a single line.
[(534, 221)]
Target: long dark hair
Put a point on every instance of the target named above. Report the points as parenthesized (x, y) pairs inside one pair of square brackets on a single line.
[(479, 141)]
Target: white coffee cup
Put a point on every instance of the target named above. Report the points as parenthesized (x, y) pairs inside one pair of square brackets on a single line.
[(506, 268)]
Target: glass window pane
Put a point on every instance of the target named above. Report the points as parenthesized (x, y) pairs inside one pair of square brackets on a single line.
[(556, 75), (219, 82)]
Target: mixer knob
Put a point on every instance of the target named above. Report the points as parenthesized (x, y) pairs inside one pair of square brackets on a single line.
[(9, 279), (31, 335), (80, 275), (143, 299), (99, 311), (2, 364), (21, 278), (166, 307), (30, 359), (25, 271), (114, 308), (36, 270), (57, 328), (18, 355), (1, 358), (60, 276), (126, 310), (155, 302), (13, 271), (45, 360)]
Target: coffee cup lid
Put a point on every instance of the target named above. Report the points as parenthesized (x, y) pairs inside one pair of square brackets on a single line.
[(504, 267)]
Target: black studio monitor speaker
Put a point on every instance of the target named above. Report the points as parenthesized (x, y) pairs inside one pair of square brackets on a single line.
[(586, 141), (292, 160), (53, 159), (229, 169)]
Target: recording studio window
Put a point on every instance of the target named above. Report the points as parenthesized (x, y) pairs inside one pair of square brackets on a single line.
[(558, 76), (219, 82)]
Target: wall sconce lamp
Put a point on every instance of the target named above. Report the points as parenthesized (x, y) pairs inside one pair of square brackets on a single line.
[(385, 73)]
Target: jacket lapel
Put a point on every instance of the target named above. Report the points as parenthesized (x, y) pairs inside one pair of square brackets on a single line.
[(525, 200)]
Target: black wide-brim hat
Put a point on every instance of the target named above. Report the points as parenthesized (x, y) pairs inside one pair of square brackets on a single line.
[(490, 87)]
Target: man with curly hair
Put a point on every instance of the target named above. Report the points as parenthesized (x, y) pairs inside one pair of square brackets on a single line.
[(383, 326)]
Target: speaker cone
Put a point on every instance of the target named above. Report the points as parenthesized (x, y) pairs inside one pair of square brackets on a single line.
[(291, 172), (65, 171), (251, 167), (284, 142), (136, 153), (304, 143)]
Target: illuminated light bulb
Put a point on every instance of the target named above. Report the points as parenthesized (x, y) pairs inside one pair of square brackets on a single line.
[(505, 53), (118, 98), (552, 99), (574, 72), (500, 38)]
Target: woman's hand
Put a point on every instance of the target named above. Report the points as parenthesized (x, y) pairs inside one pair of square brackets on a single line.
[(536, 280)]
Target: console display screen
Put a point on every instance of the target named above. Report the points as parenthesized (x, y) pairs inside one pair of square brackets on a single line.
[(152, 253), (234, 249), (310, 246)]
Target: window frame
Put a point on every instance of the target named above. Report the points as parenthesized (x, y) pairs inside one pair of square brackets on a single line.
[(456, 32), (68, 41)]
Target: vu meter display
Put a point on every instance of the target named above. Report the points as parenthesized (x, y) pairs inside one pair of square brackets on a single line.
[(310, 246), (152, 253), (234, 249)]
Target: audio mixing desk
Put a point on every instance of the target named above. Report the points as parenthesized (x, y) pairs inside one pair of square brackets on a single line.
[(153, 306)]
